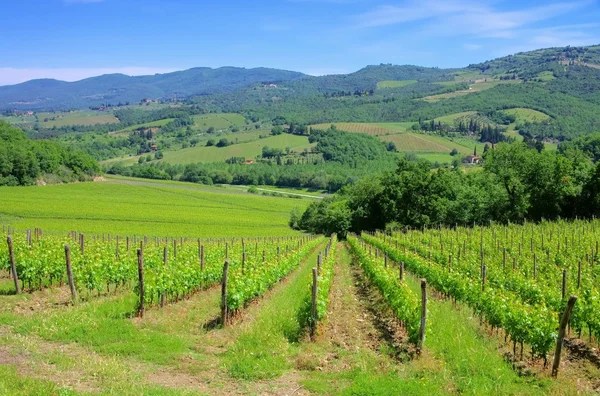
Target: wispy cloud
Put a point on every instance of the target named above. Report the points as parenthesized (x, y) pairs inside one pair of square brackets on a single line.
[(472, 47), (325, 71), (464, 17), (10, 75)]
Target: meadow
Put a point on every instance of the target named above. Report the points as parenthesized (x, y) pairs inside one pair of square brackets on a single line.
[(144, 207), (248, 149), (395, 83), (80, 117), (219, 121), (126, 131), (478, 86)]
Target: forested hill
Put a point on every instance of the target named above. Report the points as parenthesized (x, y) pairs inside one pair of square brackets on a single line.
[(25, 162), (562, 83), (48, 94)]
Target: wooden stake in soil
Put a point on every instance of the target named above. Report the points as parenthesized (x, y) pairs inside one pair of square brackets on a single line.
[(224, 294), (483, 276), (402, 270), (319, 262), (140, 255), (201, 257), (70, 274), (163, 297), (13, 266), (561, 334), (564, 284), (423, 314), (82, 243), (313, 311)]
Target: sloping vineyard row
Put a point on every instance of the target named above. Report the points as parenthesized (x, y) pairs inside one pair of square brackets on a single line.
[(401, 299), (539, 264), (532, 324), (171, 271)]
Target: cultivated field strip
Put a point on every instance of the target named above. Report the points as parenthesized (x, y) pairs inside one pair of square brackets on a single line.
[(519, 278), (159, 270)]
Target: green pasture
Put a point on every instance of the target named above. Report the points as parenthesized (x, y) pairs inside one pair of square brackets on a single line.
[(144, 207), (395, 83), (218, 121)]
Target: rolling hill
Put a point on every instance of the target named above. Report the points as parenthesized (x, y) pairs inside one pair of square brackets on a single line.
[(48, 94)]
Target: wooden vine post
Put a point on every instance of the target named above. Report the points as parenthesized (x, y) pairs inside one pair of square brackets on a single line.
[(561, 334), (82, 243), (564, 284), (201, 257), (13, 266), (319, 262), (313, 311), (483, 277), (163, 297), (224, 294), (402, 270), (423, 315), (70, 274), (140, 255)]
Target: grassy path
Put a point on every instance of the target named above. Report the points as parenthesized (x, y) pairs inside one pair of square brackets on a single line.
[(471, 359), (361, 350), (264, 349), (458, 357)]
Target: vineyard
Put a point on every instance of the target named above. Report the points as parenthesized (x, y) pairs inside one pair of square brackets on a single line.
[(518, 278), (234, 314)]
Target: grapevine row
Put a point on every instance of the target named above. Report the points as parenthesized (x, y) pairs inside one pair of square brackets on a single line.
[(401, 299)]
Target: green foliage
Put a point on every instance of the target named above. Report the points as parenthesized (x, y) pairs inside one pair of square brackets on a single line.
[(516, 183), (223, 142), (324, 281), (23, 161), (400, 298), (534, 324), (258, 276)]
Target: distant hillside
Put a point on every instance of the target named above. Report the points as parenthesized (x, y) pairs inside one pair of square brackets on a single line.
[(367, 78), (47, 94)]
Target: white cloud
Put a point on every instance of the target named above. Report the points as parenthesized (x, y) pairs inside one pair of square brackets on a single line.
[(325, 71), (9, 75), (464, 17), (472, 47)]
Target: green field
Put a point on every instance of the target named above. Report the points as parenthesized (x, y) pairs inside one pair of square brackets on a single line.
[(430, 147), (126, 131), (21, 120), (526, 115), (358, 127), (430, 144), (83, 117), (144, 207), (248, 150), (219, 121), (397, 127), (395, 83), (476, 87), (451, 118)]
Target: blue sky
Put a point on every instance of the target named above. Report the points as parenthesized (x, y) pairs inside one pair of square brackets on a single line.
[(73, 39)]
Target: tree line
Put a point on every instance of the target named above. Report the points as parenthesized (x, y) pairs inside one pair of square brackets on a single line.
[(517, 183), (24, 161)]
